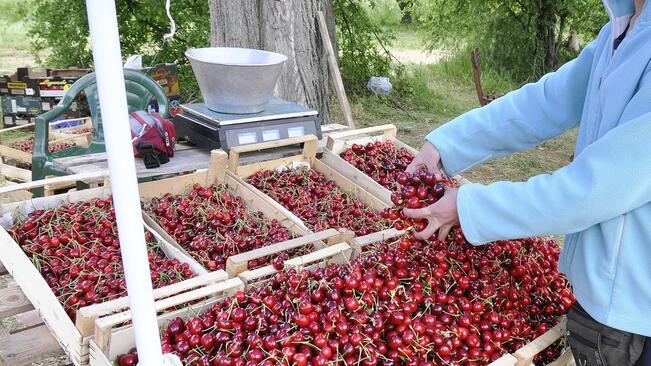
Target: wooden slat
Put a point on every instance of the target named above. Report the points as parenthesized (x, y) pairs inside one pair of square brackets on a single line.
[(227, 286), (54, 181), (14, 173), (11, 153), (216, 167), (309, 148), (238, 263), (360, 178), (17, 127), (13, 302), (267, 202), (334, 69), (338, 253), (28, 346), (86, 316), (388, 132), (526, 354), (359, 243)]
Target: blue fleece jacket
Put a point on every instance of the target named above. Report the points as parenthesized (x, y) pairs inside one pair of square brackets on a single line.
[(602, 200)]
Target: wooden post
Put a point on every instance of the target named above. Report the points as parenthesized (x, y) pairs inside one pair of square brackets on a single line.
[(217, 167), (334, 68)]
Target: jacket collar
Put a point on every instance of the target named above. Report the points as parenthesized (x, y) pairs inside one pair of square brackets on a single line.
[(620, 13)]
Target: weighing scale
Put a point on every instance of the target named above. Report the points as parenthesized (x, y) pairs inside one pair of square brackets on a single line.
[(280, 120)]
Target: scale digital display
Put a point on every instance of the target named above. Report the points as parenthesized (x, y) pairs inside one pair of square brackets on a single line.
[(270, 135), (245, 138), (296, 131)]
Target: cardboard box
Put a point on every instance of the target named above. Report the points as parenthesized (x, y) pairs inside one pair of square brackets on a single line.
[(166, 75), (55, 86), (21, 105), (17, 120), (25, 87)]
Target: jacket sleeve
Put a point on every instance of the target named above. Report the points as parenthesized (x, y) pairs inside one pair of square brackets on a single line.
[(607, 179), (518, 120)]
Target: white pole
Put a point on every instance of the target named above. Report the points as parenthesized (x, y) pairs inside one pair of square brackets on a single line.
[(102, 21)]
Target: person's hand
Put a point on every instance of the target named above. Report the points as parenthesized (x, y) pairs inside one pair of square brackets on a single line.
[(441, 215), (429, 158)]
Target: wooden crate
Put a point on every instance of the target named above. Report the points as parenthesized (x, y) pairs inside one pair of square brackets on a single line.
[(216, 174), (339, 142), (75, 130), (112, 338), (307, 157), (11, 158), (9, 153), (338, 253), (104, 349), (72, 337), (523, 356)]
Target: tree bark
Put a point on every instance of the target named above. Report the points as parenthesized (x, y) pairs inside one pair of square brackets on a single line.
[(284, 26)]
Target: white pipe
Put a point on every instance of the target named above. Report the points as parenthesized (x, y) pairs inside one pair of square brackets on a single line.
[(102, 21)]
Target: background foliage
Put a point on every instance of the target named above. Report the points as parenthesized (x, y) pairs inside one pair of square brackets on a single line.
[(362, 44), (519, 39), (61, 27), (525, 38)]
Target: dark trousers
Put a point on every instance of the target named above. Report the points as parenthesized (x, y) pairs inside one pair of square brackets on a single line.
[(596, 344)]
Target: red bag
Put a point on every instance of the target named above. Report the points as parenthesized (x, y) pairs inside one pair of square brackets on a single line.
[(153, 136)]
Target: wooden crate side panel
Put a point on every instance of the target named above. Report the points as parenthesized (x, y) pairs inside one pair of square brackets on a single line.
[(85, 320), (11, 172), (360, 243), (107, 329), (336, 141), (347, 185), (11, 153), (97, 357), (175, 185), (355, 175), (40, 295), (259, 201), (227, 286), (526, 354), (121, 340)]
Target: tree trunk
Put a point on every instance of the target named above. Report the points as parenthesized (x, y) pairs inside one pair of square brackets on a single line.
[(405, 9), (284, 26)]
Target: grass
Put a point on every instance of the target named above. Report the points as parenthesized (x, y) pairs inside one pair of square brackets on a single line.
[(428, 95)]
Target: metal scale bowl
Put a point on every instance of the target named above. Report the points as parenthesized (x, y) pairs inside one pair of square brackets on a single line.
[(237, 84)]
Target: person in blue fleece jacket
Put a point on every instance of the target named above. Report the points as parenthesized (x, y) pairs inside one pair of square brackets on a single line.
[(601, 200)]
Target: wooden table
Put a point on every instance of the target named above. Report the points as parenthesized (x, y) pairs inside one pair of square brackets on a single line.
[(34, 342), (186, 158)]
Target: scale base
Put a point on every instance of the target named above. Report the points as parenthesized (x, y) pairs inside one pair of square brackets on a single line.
[(212, 130)]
